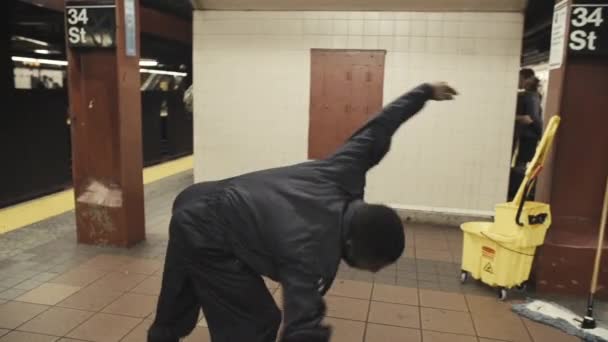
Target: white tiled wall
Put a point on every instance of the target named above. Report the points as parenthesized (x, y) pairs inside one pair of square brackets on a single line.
[(252, 80)]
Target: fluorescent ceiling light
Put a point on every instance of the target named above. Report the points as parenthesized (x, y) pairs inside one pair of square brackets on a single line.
[(163, 72), (30, 40), (64, 63), (42, 51), (148, 63), (38, 61)]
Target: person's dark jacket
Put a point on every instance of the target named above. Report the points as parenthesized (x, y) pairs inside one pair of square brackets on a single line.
[(529, 103), (288, 223)]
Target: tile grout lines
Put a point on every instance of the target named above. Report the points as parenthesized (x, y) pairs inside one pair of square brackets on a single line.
[(466, 301), (420, 314), (369, 308), (94, 313)]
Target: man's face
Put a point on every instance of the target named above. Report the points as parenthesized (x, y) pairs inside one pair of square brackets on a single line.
[(365, 266), (355, 261), (372, 267)]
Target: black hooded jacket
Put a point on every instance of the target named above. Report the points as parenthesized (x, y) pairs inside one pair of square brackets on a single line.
[(288, 223)]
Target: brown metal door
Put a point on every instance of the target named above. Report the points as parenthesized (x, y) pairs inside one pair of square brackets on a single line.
[(346, 89)]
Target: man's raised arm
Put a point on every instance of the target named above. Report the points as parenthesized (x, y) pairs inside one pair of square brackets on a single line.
[(370, 143)]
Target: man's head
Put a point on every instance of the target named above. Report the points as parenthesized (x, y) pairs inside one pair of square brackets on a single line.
[(375, 238), (525, 74)]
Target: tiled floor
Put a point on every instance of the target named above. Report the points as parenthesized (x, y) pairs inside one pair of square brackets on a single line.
[(52, 289)]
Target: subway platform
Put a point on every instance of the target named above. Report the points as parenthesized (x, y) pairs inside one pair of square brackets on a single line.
[(52, 289)]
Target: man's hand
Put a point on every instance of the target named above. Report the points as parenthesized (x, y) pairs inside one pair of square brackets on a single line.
[(442, 91), (524, 120)]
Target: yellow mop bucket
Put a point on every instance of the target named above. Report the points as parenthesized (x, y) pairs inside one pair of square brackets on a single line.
[(500, 253)]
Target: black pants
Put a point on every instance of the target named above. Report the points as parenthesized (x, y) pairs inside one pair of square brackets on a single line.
[(234, 299), (527, 149)]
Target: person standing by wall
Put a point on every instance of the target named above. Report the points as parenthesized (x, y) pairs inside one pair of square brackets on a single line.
[(528, 127)]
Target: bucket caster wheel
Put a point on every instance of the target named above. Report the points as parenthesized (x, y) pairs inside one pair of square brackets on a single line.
[(464, 276), (502, 294), (522, 287)]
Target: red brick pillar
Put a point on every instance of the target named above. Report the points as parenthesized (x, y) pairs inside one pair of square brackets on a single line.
[(105, 108), (574, 180)]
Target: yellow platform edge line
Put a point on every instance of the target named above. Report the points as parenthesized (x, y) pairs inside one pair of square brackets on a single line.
[(42, 208)]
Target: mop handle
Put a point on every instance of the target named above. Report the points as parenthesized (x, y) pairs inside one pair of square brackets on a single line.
[(600, 241)]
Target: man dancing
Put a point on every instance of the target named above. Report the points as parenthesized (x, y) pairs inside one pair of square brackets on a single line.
[(292, 224)]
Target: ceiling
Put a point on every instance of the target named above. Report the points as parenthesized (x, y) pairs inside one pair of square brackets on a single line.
[(35, 27), (537, 31), (47, 25), (361, 5), (180, 8)]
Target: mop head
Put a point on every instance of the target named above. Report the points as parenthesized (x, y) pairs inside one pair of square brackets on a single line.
[(561, 318)]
